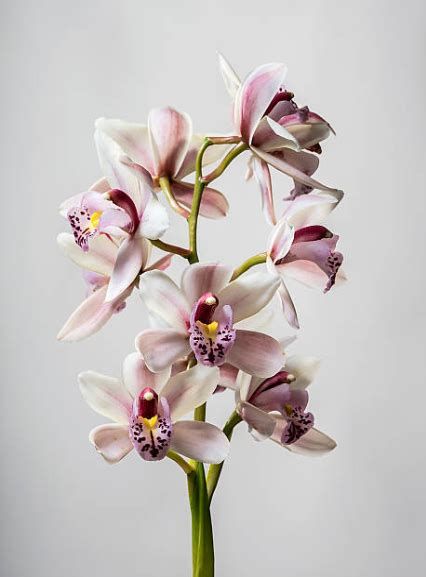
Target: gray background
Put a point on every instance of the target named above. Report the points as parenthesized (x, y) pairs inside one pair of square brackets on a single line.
[(360, 510)]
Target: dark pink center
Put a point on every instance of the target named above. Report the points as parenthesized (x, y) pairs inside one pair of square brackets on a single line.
[(206, 307), (147, 404)]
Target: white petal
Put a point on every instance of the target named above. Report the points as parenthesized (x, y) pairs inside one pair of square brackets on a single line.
[(258, 420), (200, 441), (162, 347), (155, 220), (198, 279), (106, 395), (131, 258), (111, 441), (309, 209), (249, 294), (164, 299), (256, 354), (137, 376), (230, 77), (187, 390), (280, 240), (99, 258), (303, 368)]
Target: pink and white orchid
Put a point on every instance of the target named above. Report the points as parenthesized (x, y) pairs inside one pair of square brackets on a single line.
[(202, 318), (166, 148), (146, 409), (98, 265), (269, 121), (275, 408), (299, 247)]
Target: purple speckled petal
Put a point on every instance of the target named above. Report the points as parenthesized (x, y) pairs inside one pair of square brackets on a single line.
[(152, 442), (211, 346)]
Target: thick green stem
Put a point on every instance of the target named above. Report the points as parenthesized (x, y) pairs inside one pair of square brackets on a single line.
[(196, 202), (220, 169), (215, 471), (247, 264), (183, 463)]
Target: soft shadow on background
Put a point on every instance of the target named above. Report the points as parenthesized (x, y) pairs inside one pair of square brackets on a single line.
[(358, 511)]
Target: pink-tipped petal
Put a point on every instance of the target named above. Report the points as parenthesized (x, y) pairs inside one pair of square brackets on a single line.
[(230, 77), (99, 258), (198, 279), (187, 390), (162, 347), (292, 171), (133, 139), (131, 258), (170, 135), (309, 209), (255, 95), (249, 294), (90, 316), (271, 136), (137, 376), (288, 306), (162, 263), (228, 376), (111, 441), (213, 203), (263, 178), (200, 441), (256, 354), (165, 300), (106, 395)]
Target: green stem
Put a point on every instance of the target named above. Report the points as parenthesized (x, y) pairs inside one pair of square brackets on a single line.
[(200, 413), (196, 202), (247, 264), (164, 183), (183, 252), (215, 471), (183, 464), (205, 557), (220, 169)]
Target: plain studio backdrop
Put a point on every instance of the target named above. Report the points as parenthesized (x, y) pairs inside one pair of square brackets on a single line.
[(356, 512)]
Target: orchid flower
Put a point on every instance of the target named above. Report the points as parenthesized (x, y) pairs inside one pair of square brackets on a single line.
[(119, 205), (275, 408), (275, 129), (202, 318), (301, 248), (166, 148), (98, 264), (146, 409)]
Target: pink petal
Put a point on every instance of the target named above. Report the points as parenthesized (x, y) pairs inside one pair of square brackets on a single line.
[(228, 376), (133, 139), (271, 136), (131, 258), (170, 134), (137, 376), (189, 389), (309, 209), (258, 420), (162, 263), (198, 279), (306, 272), (313, 443), (288, 306), (292, 171), (106, 395), (249, 294), (111, 441), (200, 441), (165, 300), (256, 354), (213, 203), (101, 185), (90, 316), (100, 257), (255, 95), (263, 178), (162, 347)]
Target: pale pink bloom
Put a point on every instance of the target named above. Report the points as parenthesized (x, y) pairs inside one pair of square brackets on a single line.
[(299, 247), (202, 317), (275, 408), (98, 265), (146, 409), (166, 147), (269, 121)]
